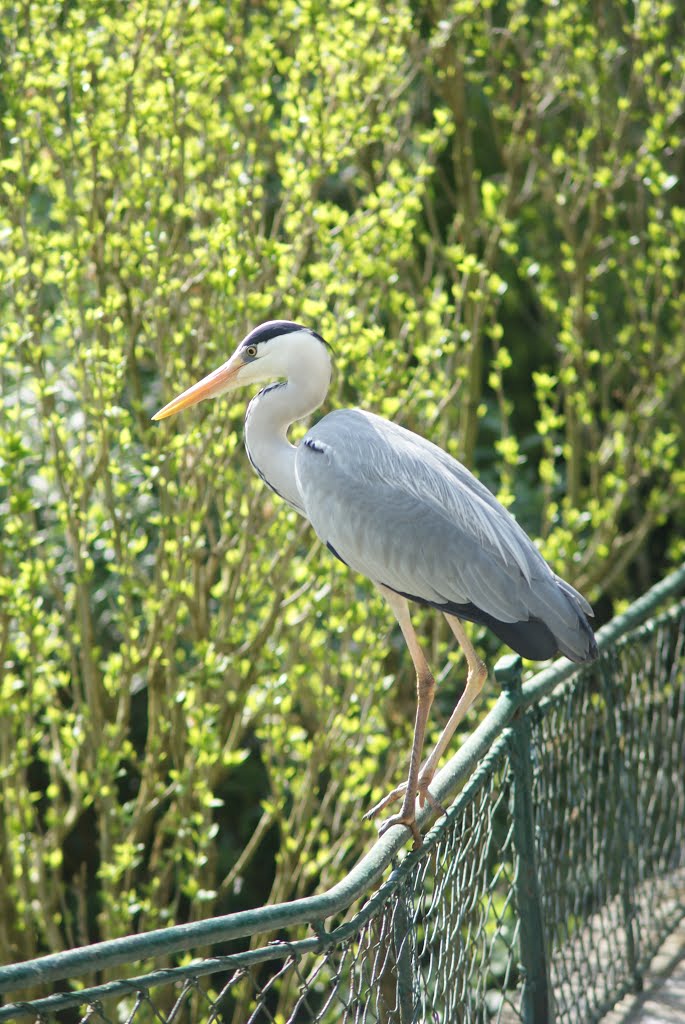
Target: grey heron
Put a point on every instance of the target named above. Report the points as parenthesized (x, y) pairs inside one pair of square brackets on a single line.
[(401, 511)]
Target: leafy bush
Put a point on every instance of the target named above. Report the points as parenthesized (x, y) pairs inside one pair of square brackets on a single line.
[(480, 208)]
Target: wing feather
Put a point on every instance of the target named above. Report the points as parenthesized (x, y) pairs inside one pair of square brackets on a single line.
[(401, 511)]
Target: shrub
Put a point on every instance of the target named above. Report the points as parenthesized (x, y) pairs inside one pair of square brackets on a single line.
[(480, 209)]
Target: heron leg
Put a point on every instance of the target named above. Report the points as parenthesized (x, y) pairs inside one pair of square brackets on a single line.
[(425, 688), (475, 679)]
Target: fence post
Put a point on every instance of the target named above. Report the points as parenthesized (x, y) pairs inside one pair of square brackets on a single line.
[(536, 1002)]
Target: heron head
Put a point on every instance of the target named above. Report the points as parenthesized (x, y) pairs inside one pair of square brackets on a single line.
[(267, 352)]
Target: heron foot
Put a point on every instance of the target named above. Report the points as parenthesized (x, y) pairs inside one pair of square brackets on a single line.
[(423, 794), (406, 816), (408, 820)]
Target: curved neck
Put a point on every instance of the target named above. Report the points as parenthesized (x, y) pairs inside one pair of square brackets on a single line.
[(268, 417)]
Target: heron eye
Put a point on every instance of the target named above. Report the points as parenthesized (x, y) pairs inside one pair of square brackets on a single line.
[(251, 351)]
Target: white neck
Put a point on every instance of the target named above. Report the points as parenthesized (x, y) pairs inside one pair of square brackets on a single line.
[(272, 411)]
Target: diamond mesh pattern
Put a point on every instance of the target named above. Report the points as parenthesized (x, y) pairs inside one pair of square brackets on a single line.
[(609, 793)]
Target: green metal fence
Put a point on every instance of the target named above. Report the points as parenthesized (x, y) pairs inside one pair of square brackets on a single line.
[(541, 896)]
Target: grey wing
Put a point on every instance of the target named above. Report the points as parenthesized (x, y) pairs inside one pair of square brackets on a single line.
[(399, 510)]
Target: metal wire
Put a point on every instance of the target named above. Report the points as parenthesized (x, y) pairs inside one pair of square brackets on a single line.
[(610, 796), (447, 937)]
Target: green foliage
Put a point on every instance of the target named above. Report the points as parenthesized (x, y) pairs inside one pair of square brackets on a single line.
[(481, 209)]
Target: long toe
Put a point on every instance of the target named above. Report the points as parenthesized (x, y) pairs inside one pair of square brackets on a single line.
[(392, 796)]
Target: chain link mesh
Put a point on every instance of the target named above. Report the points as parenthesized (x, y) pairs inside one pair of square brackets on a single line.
[(609, 792), (439, 942)]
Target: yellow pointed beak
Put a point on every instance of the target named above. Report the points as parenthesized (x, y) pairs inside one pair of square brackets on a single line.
[(215, 383)]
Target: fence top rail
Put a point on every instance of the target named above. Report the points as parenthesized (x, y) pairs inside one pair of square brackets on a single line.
[(314, 910), (277, 950)]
